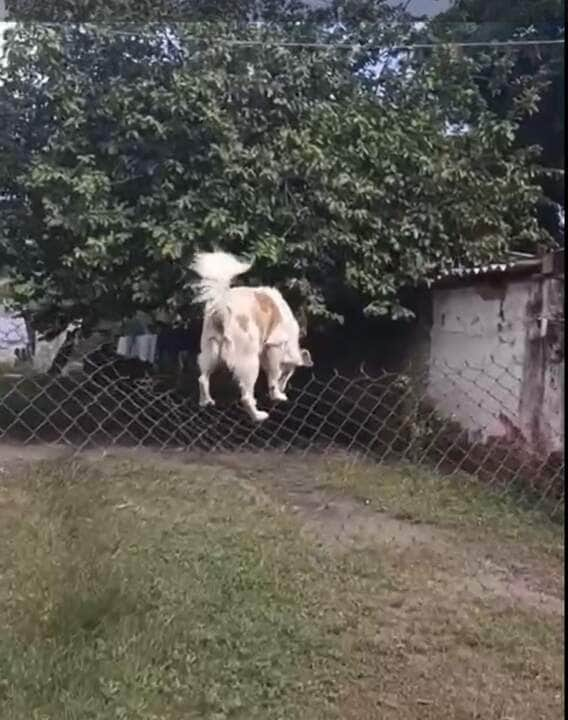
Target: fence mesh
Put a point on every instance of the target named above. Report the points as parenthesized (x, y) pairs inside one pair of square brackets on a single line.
[(464, 421)]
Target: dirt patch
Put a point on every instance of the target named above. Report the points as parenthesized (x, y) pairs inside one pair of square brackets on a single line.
[(339, 522), (499, 583), (459, 570), (11, 455), (342, 522)]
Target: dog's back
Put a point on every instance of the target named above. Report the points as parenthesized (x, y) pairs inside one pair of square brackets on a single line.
[(248, 319)]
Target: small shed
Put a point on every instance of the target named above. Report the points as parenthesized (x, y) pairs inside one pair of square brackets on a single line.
[(495, 350)]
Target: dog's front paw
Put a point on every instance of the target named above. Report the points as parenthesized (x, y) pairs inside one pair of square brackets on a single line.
[(207, 402), (261, 416)]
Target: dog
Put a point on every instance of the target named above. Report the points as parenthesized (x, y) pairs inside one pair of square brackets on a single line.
[(245, 329)]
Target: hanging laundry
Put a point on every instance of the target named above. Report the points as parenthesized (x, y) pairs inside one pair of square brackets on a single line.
[(141, 347)]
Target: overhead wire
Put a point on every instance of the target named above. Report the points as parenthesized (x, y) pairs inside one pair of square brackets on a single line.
[(404, 47)]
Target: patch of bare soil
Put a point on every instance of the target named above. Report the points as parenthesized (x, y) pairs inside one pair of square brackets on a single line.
[(19, 454), (456, 569)]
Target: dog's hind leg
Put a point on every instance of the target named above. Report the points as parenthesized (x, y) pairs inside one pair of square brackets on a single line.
[(246, 373), (207, 361), (271, 366)]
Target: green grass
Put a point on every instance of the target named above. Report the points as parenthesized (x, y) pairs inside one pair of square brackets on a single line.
[(147, 590), (145, 615)]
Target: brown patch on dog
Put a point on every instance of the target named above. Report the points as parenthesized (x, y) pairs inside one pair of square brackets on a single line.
[(217, 322), (266, 314), (243, 322)]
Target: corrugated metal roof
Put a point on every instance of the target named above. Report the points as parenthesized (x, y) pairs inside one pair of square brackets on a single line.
[(515, 263)]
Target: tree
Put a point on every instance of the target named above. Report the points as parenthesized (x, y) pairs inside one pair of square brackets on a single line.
[(479, 20), (127, 149)]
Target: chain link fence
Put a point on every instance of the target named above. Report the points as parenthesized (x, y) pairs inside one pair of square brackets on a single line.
[(462, 421)]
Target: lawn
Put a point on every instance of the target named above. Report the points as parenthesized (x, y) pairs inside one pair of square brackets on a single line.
[(159, 588)]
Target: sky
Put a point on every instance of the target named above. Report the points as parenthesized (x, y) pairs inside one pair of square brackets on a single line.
[(3, 27), (428, 7), (416, 7)]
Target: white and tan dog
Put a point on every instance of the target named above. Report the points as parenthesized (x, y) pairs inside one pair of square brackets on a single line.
[(245, 329)]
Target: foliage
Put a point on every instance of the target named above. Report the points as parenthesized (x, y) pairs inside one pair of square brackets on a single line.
[(501, 15), (534, 20), (125, 150)]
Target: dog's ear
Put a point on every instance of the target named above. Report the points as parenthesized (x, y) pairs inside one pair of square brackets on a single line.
[(306, 358)]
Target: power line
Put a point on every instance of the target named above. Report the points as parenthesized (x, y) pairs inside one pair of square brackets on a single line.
[(401, 48), (393, 48), (219, 39)]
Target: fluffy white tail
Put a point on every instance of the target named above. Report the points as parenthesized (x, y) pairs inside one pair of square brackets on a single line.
[(216, 271)]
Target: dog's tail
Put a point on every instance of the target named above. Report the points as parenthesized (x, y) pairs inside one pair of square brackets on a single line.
[(216, 271)]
